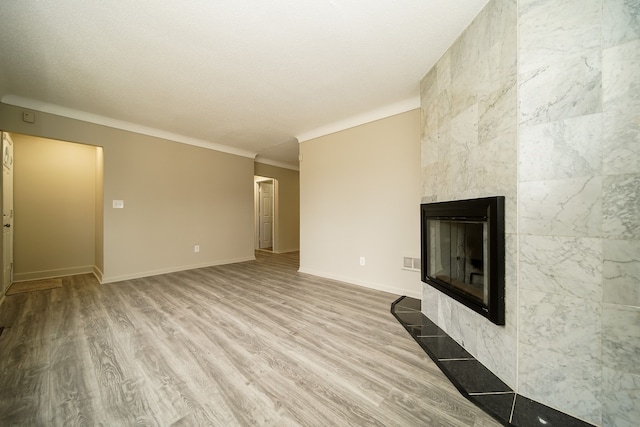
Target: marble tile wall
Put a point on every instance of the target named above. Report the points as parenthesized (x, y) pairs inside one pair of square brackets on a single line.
[(469, 150), (579, 207), (551, 120)]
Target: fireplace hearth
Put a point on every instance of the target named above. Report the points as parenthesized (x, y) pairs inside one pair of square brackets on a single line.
[(463, 252)]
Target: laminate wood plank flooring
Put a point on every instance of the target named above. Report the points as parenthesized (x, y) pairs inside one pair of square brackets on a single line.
[(253, 343)]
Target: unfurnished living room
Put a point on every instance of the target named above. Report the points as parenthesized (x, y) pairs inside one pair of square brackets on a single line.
[(320, 213)]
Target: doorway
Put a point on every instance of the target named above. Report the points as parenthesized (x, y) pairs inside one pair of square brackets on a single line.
[(265, 213), (58, 197), (7, 212)]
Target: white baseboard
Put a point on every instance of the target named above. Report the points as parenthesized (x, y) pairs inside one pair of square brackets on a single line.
[(286, 251), (51, 274), (365, 284), (97, 273), (112, 279)]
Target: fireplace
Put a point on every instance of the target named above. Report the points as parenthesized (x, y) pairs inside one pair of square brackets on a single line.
[(463, 252)]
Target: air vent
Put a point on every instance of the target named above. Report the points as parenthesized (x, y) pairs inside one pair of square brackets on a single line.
[(410, 263)]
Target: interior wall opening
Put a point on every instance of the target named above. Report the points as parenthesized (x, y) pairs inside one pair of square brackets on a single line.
[(58, 208), (265, 194)]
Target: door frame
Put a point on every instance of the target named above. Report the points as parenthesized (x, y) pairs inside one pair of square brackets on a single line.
[(256, 206), (6, 245)]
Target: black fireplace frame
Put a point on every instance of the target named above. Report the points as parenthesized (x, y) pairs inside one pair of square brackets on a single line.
[(491, 211)]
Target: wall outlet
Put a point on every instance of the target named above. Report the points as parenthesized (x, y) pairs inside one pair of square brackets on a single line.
[(118, 204), (362, 261), (196, 248)]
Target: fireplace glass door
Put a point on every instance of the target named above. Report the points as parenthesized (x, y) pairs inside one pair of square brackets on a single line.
[(457, 256)]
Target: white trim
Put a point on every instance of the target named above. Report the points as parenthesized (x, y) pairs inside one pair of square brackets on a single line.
[(370, 116), (98, 273), (286, 251), (44, 107), (173, 270), (363, 283), (277, 164), (52, 274)]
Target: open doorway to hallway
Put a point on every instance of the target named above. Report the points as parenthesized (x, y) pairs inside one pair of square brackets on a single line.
[(265, 193)]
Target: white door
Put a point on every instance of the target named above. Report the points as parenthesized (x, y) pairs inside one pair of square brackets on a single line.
[(265, 215), (7, 211)]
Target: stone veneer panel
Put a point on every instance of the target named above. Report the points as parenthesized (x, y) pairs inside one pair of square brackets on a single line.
[(469, 150), (579, 206), (550, 119)]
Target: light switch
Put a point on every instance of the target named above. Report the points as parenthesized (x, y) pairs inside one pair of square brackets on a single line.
[(118, 204)]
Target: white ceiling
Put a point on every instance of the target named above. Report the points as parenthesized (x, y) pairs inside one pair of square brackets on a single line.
[(244, 76)]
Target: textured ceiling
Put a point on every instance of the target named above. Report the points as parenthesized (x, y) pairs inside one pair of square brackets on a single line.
[(249, 77)]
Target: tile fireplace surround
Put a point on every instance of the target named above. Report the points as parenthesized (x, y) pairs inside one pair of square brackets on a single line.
[(538, 101), (471, 378)]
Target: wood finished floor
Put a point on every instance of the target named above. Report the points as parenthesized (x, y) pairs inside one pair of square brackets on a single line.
[(254, 343)]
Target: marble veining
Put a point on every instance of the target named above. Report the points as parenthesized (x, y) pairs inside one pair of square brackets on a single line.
[(620, 398), (621, 141), (464, 65), (429, 151), (443, 68), (621, 206), (621, 76), (563, 149), (621, 338), (566, 156), (561, 90), (564, 207), (621, 271), (498, 349), (562, 265), (464, 329), (464, 131), (497, 113), (571, 382), (553, 31), (429, 112), (444, 312), (621, 21), (429, 300), (498, 28), (566, 325), (443, 104), (461, 175), (494, 170), (429, 178), (511, 283)]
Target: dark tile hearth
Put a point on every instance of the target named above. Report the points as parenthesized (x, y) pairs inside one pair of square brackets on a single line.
[(444, 348), (473, 377), (499, 405), (474, 380)]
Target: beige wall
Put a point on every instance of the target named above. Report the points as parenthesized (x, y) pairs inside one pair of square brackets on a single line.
[(287, 230), (54, 205), (360, 196), (175, 195)]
